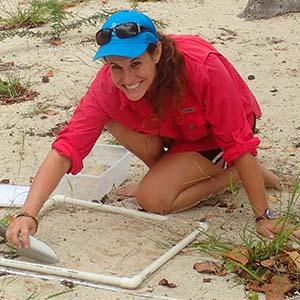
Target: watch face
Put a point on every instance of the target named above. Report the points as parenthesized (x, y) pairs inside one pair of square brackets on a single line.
[(269, 214)]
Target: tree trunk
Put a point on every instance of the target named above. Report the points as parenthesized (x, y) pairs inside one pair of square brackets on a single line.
[(265, 9)]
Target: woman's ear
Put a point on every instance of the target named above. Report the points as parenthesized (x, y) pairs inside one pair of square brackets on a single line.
[(157, 53)]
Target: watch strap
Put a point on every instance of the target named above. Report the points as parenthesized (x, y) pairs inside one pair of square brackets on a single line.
[(267, 215), (259, 218), (25, 214)]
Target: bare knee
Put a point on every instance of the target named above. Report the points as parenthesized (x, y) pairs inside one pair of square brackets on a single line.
[(154, 202)]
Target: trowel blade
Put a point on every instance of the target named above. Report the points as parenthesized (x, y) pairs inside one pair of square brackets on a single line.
[(39, 251)]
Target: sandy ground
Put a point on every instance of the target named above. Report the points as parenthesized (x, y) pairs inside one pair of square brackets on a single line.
[(119, 245)]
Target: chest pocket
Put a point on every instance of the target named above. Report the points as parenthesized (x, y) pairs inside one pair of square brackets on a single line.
[(190, 124)]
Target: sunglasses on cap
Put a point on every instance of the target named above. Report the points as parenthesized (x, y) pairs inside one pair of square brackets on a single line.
[(122, 31)]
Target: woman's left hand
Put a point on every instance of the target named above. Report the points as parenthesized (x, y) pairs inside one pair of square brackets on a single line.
[(269, 228)]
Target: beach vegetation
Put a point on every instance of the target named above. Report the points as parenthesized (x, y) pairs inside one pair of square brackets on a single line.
[(54, 14), (15, 90), (16, 22), (265, 265)]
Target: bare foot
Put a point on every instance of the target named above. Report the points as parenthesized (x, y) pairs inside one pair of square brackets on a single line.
[(128, 190), (271, 180)]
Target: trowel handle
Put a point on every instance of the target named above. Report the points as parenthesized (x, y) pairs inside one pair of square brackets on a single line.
[(2, 231)]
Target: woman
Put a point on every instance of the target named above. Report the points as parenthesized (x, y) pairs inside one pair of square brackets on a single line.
[(176, 103)]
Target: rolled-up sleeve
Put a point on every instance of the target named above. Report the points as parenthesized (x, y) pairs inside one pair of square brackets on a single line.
[(77, 139), (224, 109)]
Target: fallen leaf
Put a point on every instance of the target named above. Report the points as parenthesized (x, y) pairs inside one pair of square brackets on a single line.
[(267, 263), (295, 257), (166, 283), (239, 254), (278, 287), (254, 286), (50, 73), (268, 274), (209, 267), (188, 250)]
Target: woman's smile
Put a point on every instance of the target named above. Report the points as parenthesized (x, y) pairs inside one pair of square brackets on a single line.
[(134, 76), (133, 86)]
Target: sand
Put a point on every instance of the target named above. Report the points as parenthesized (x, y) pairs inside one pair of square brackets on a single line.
[(119, 245)]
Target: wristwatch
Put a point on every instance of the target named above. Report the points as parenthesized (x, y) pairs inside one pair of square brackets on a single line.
[(267, 215)]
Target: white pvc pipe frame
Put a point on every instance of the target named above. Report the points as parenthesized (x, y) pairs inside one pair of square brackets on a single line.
[(123, 282)]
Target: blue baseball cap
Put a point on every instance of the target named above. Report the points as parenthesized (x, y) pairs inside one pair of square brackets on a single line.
[(128, 47)]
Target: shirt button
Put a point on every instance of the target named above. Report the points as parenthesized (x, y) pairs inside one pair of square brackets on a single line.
[(191, 126), (239, 140)]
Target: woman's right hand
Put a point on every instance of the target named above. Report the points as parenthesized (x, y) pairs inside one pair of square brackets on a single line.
[(19, 230)]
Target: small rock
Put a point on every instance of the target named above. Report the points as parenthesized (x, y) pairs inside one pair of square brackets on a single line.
[(251, 77), (166, 283), (45, 79), (274, 90), (68, 283)]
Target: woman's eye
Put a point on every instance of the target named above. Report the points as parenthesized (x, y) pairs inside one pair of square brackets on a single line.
[(135, 64), (115, 67)]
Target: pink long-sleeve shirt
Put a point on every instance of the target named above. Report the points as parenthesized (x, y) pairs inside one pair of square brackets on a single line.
[(217, 112)]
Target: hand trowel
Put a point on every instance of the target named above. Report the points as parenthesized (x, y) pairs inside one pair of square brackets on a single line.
[(37, 250)]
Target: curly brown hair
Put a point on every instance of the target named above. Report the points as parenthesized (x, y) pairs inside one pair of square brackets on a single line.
[(170, 81)]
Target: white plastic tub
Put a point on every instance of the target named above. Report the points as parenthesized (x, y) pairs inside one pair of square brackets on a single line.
[(13, 195), (106, 166)]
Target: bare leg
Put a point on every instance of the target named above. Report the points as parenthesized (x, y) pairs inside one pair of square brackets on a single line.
[(174, 182), (179, 181), (271, 180), (149, 148), (146, 147)]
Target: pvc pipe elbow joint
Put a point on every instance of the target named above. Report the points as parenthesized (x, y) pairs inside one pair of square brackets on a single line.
[(131, 282)]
